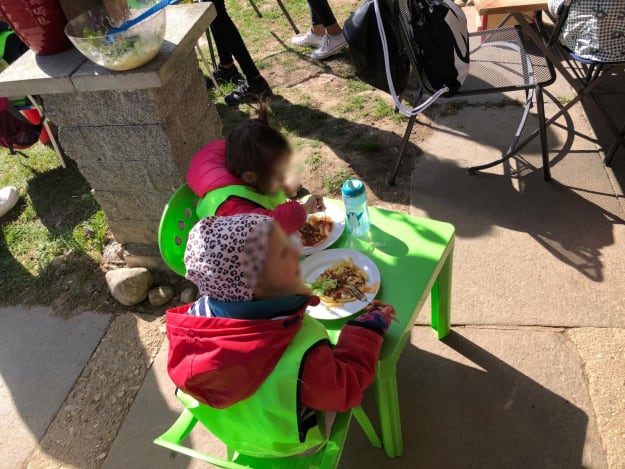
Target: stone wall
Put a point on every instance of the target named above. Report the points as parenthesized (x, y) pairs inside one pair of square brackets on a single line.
[(134, 148)]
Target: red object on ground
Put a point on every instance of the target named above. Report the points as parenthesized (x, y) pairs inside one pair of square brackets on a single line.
[(38, 23), (34, 117)]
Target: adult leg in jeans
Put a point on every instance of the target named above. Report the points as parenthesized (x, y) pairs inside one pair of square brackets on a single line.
[(230, 46), (230, 43)]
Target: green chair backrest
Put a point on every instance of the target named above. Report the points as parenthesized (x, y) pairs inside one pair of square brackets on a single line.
[(177, 220), (326, 458)]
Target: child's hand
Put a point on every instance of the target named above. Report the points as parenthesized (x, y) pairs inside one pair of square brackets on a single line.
[(378, 317), (388, 310), (314, 204)]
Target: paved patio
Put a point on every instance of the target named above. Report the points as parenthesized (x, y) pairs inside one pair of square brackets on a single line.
[(532, 374)]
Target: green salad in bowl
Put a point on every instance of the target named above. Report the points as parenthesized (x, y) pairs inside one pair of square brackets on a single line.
[(122, 51)]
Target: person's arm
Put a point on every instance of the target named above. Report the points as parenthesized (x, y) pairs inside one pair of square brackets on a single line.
[(334, 379), (291, 215)]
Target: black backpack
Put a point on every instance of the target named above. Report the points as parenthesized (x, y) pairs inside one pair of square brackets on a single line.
[(440, 39), (365, 46)]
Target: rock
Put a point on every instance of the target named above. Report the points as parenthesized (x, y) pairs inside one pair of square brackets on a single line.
[(58, 263), (9, 196), (129, 286), (189, 295), (158, 296), (113, 254)]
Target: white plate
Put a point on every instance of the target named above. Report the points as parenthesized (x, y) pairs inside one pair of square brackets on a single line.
[(334, 212), (314, 265)]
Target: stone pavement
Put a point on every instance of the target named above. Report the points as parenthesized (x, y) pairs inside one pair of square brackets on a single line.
[(532, 374), (41, 357)]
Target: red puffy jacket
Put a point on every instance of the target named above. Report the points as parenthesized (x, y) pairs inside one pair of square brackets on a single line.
[(208, 172), (222, 361)]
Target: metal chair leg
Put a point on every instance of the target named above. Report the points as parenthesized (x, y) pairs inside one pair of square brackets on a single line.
[(540, 107), (46, 125), (210, 47), (611, 152), (402, 149), (288, 17), (617, 134), (207, 66), (514, 146), (253, 5)]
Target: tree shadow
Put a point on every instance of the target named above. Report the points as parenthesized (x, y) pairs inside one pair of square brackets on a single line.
[(61, 200), (485, 416), (342, 136)]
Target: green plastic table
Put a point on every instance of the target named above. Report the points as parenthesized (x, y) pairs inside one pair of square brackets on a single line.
[(414, 256)]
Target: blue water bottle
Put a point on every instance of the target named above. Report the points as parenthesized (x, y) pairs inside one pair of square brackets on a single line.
[(356, 210)]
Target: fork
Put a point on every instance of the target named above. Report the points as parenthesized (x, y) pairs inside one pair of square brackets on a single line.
[(360, 296)]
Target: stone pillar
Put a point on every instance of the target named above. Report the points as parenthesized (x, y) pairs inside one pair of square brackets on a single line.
[(131, 133), (134, 147)]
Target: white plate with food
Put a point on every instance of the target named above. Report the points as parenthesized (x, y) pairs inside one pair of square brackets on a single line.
[(321, 230), (329, 272)]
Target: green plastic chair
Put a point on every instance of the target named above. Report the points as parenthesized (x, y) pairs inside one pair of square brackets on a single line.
[(177, 220), (326, 458)]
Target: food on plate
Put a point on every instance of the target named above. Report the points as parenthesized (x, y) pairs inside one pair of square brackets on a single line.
[(332, 284), (315, 230)]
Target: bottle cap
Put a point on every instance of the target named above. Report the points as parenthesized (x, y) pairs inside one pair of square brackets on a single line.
[(352, 188)]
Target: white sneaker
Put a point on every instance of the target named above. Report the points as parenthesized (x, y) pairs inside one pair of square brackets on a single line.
[(8, 198), (307, 39), (332, 44)]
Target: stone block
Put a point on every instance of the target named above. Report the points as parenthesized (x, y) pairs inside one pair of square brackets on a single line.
[(116, 143), (139, 106), (149, 262), (188, 137), (102, 108), (139, 205), (149, 175), (144, 255), (141, 249), (185, 25), (41, 74), (174, 91), (134, 231)]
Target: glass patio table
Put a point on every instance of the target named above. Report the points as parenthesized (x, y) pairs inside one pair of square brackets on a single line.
[(414, 256)]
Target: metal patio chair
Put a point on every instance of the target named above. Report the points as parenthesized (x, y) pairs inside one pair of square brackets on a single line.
[(584, 75), (501, 60)]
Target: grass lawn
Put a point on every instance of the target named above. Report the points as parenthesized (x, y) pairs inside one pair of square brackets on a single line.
[(56, 230), (50, 244)]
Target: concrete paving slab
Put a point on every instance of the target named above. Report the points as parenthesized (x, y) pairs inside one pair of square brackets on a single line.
[(40, 358), (484, 398), (527, 252), (603, 354), (488, 398), (155, 409)]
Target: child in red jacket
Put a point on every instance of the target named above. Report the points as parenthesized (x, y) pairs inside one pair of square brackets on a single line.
[(247, 349), (246, 174)]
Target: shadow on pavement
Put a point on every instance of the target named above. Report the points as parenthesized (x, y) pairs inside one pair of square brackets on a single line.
[(568, 226), (487, 416)]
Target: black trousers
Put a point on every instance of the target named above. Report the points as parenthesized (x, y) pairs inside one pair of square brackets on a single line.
[(321, 13), (230, 43)]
